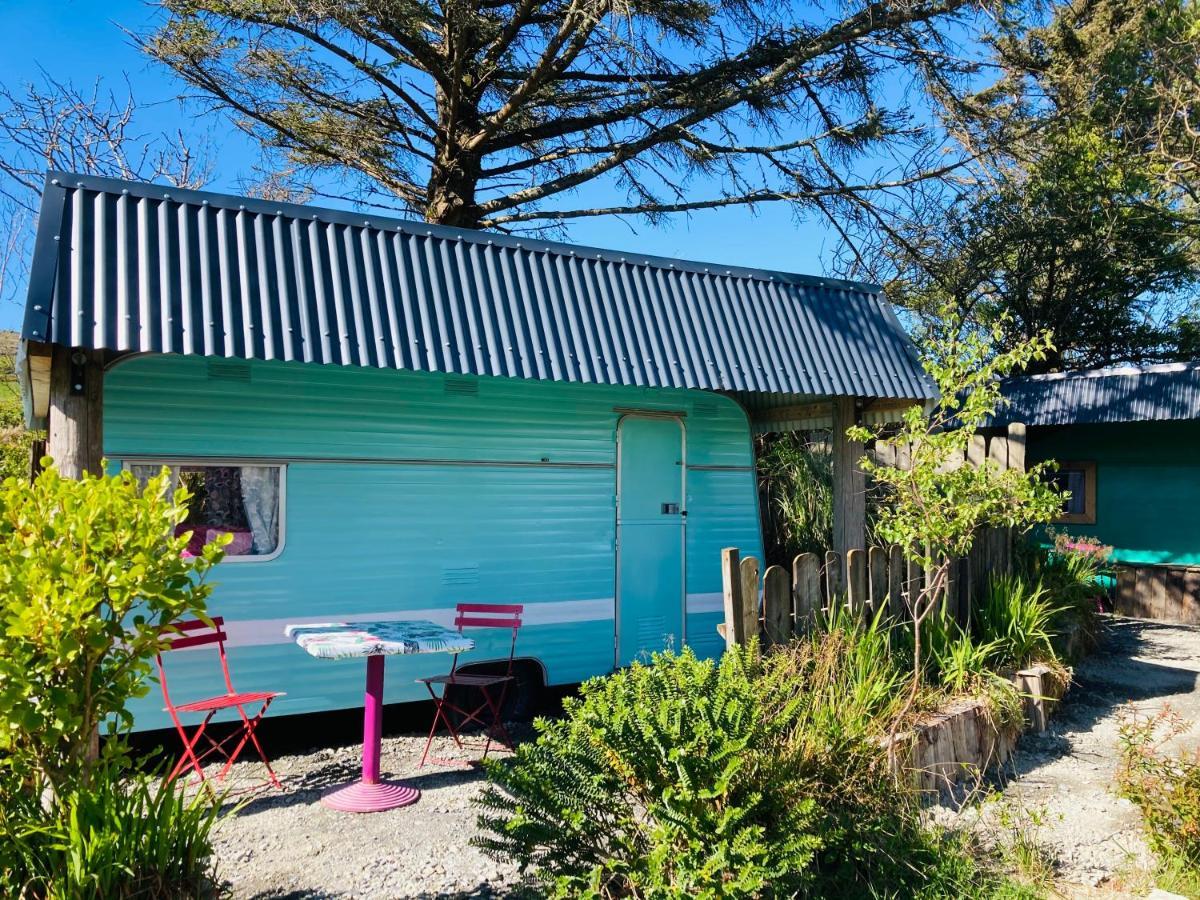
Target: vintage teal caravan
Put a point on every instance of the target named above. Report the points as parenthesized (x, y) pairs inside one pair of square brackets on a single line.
[(391, 417)]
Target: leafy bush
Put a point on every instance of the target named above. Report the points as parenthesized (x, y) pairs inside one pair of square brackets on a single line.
[(754, 776), (113, 839), (1016, 618), (796, 484), (1164, 785), (91, 574)]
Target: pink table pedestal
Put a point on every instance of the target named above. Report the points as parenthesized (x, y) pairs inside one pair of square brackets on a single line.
[(374, 641), (369, 794)]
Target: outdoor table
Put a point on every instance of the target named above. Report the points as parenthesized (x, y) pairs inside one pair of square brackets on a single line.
[(374, 640)]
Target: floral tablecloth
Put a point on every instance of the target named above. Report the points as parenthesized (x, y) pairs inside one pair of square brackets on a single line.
[(343, 640)]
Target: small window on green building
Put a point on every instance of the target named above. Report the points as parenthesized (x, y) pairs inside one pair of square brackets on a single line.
[(1078, 480)]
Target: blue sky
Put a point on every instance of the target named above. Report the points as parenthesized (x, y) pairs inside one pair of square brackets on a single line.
[(79, 40)]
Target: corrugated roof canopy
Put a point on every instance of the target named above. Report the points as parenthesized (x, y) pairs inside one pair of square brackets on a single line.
[(1127, 394), (133, 267)]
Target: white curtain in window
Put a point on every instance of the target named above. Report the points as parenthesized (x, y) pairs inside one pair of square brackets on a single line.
[(144, 473), (260, 498)]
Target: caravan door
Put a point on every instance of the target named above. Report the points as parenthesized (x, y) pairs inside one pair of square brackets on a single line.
[(651, 523)]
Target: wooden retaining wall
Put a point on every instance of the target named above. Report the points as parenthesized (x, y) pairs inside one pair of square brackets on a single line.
[(962, 743), (1166, 593)]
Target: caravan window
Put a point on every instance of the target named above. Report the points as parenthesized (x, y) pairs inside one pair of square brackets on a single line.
[(244, 501), (1079, 480)]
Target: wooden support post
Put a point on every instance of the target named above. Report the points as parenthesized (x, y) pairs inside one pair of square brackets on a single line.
[(856, 583), (777, 605), (75, 427), (750, 614), (731, 583), (806, 588), (849, 481)]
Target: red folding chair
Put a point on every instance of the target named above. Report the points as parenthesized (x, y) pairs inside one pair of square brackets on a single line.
[(487, 712), (195, 633)]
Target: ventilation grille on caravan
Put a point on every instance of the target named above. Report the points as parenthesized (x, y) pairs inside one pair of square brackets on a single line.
[(228, 371), (462, 386)]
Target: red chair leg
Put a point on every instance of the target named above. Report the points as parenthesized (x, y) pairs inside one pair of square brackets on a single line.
[(189, 758), (439, 713), (257, 746)]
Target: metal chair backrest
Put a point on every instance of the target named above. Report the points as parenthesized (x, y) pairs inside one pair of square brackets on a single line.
[(194, 633), (489, 615)]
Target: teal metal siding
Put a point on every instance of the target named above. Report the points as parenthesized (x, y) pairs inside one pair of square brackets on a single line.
[(1147, 486), (409, 492)]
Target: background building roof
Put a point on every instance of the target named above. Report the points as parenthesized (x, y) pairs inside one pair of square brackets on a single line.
[(123, 266), (1164, 392)]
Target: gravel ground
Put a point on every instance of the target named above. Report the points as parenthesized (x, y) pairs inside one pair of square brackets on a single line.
[(289, 845), (1059, 792), (1060, 789)]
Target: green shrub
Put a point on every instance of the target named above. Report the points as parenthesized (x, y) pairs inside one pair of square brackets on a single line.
[(91, 573), (758, 776), (1164, 785), (1017, 619), (115, 838), (796, 485), (659, 778)]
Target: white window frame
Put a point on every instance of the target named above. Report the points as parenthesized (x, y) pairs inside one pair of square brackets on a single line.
[(175, 461)]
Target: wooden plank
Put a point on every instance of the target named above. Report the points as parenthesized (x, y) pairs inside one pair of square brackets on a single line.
[(896, 583), (950, 594), (806, 589), (731, 585), (857, 596), (966, 594), (800, 412), (1016, 446), (998, 450), (913, 582), (74, 434), (1189, 586), (835, 581), (1126, 599), (877, 564), (777, 605), (977, 449), (849, 481), (1156, 592), (751, 618)]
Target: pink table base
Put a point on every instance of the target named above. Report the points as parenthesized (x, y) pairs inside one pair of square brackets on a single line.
[(369, 794)]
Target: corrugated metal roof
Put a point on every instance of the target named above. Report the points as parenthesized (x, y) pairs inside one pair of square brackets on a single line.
[(1126, 394), (133, 267)]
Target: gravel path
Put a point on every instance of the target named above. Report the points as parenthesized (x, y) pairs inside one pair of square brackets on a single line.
[(1060, 791), (288, 845)]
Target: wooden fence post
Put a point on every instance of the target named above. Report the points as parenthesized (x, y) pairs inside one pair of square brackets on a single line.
[(877, 563), (750, 614), (731, 584), (896, 583), (856, 582), (835, 579), (777, 605), (806, 585)]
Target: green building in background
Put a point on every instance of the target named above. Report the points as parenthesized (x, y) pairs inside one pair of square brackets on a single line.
[(1127, 441)]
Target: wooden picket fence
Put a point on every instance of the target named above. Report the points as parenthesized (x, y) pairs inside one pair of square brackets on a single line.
[(785, 603)]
